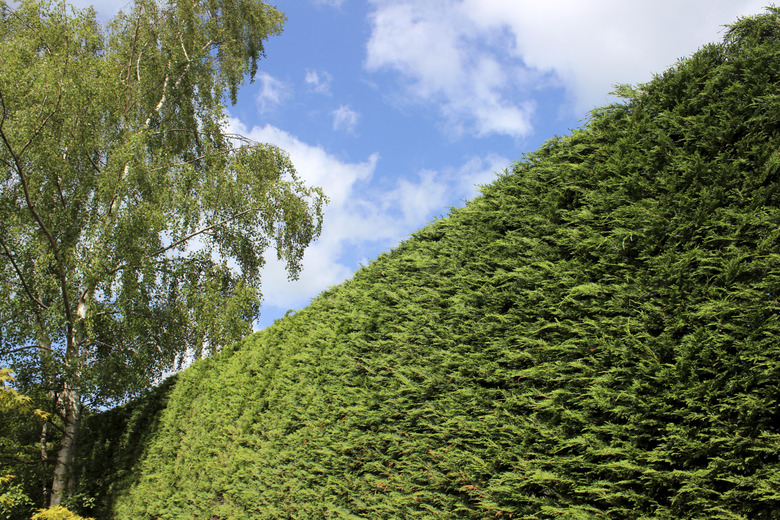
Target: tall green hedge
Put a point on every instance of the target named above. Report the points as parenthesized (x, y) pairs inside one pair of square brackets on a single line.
[(596, 336)]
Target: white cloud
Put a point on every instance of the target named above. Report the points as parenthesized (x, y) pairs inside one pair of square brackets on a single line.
[(594, 45), (479, 171), (314, 165), (318, 81), (272, 92), (435, 48), (479, 61), (419, 40), (417, 198), (344, 118)]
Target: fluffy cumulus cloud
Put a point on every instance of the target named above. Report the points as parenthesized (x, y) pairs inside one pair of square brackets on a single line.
[(594, 45), (345, 119), (480, 61), (443, 59)]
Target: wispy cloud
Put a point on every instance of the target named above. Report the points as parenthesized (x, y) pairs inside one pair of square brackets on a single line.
[(318, 81), (272, 92), (345, 119)]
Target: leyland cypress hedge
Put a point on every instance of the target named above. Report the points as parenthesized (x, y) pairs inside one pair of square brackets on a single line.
[(596, 336)]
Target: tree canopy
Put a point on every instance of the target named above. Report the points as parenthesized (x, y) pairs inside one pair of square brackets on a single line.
[(133, 227)]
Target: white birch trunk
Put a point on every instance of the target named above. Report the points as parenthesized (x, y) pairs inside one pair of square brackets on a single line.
[(71, 402)]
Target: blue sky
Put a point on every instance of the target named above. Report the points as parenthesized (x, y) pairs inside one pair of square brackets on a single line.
[(400, 108)]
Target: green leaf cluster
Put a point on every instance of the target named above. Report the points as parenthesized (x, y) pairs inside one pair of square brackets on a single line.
[(20, 472), (133, 227), (57, 513), (596, 336)]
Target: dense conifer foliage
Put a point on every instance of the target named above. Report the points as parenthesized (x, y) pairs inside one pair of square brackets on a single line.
[(596, 336)]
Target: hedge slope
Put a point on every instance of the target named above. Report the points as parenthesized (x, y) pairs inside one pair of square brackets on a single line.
[(596, 336)]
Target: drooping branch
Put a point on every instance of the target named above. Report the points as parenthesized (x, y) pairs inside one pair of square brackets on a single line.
[(38, 303), (202, 231), (44, 228), (166, 80), (94, 164)]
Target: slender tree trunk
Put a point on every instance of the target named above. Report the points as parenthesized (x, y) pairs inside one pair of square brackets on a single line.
[(47, 365), (71, 403), (45, 458)]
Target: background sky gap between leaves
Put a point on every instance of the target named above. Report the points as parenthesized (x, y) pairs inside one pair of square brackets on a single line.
[(400, 109)]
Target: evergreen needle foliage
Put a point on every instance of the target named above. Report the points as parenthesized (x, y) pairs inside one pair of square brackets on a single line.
[(596, 336)]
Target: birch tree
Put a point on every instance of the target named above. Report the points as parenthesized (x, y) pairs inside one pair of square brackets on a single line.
[(133, 228)]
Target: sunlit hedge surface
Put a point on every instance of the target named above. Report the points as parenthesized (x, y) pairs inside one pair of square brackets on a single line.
[(596, 336)]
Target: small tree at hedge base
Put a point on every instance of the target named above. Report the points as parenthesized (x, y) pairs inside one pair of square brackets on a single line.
[(132, 227)]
